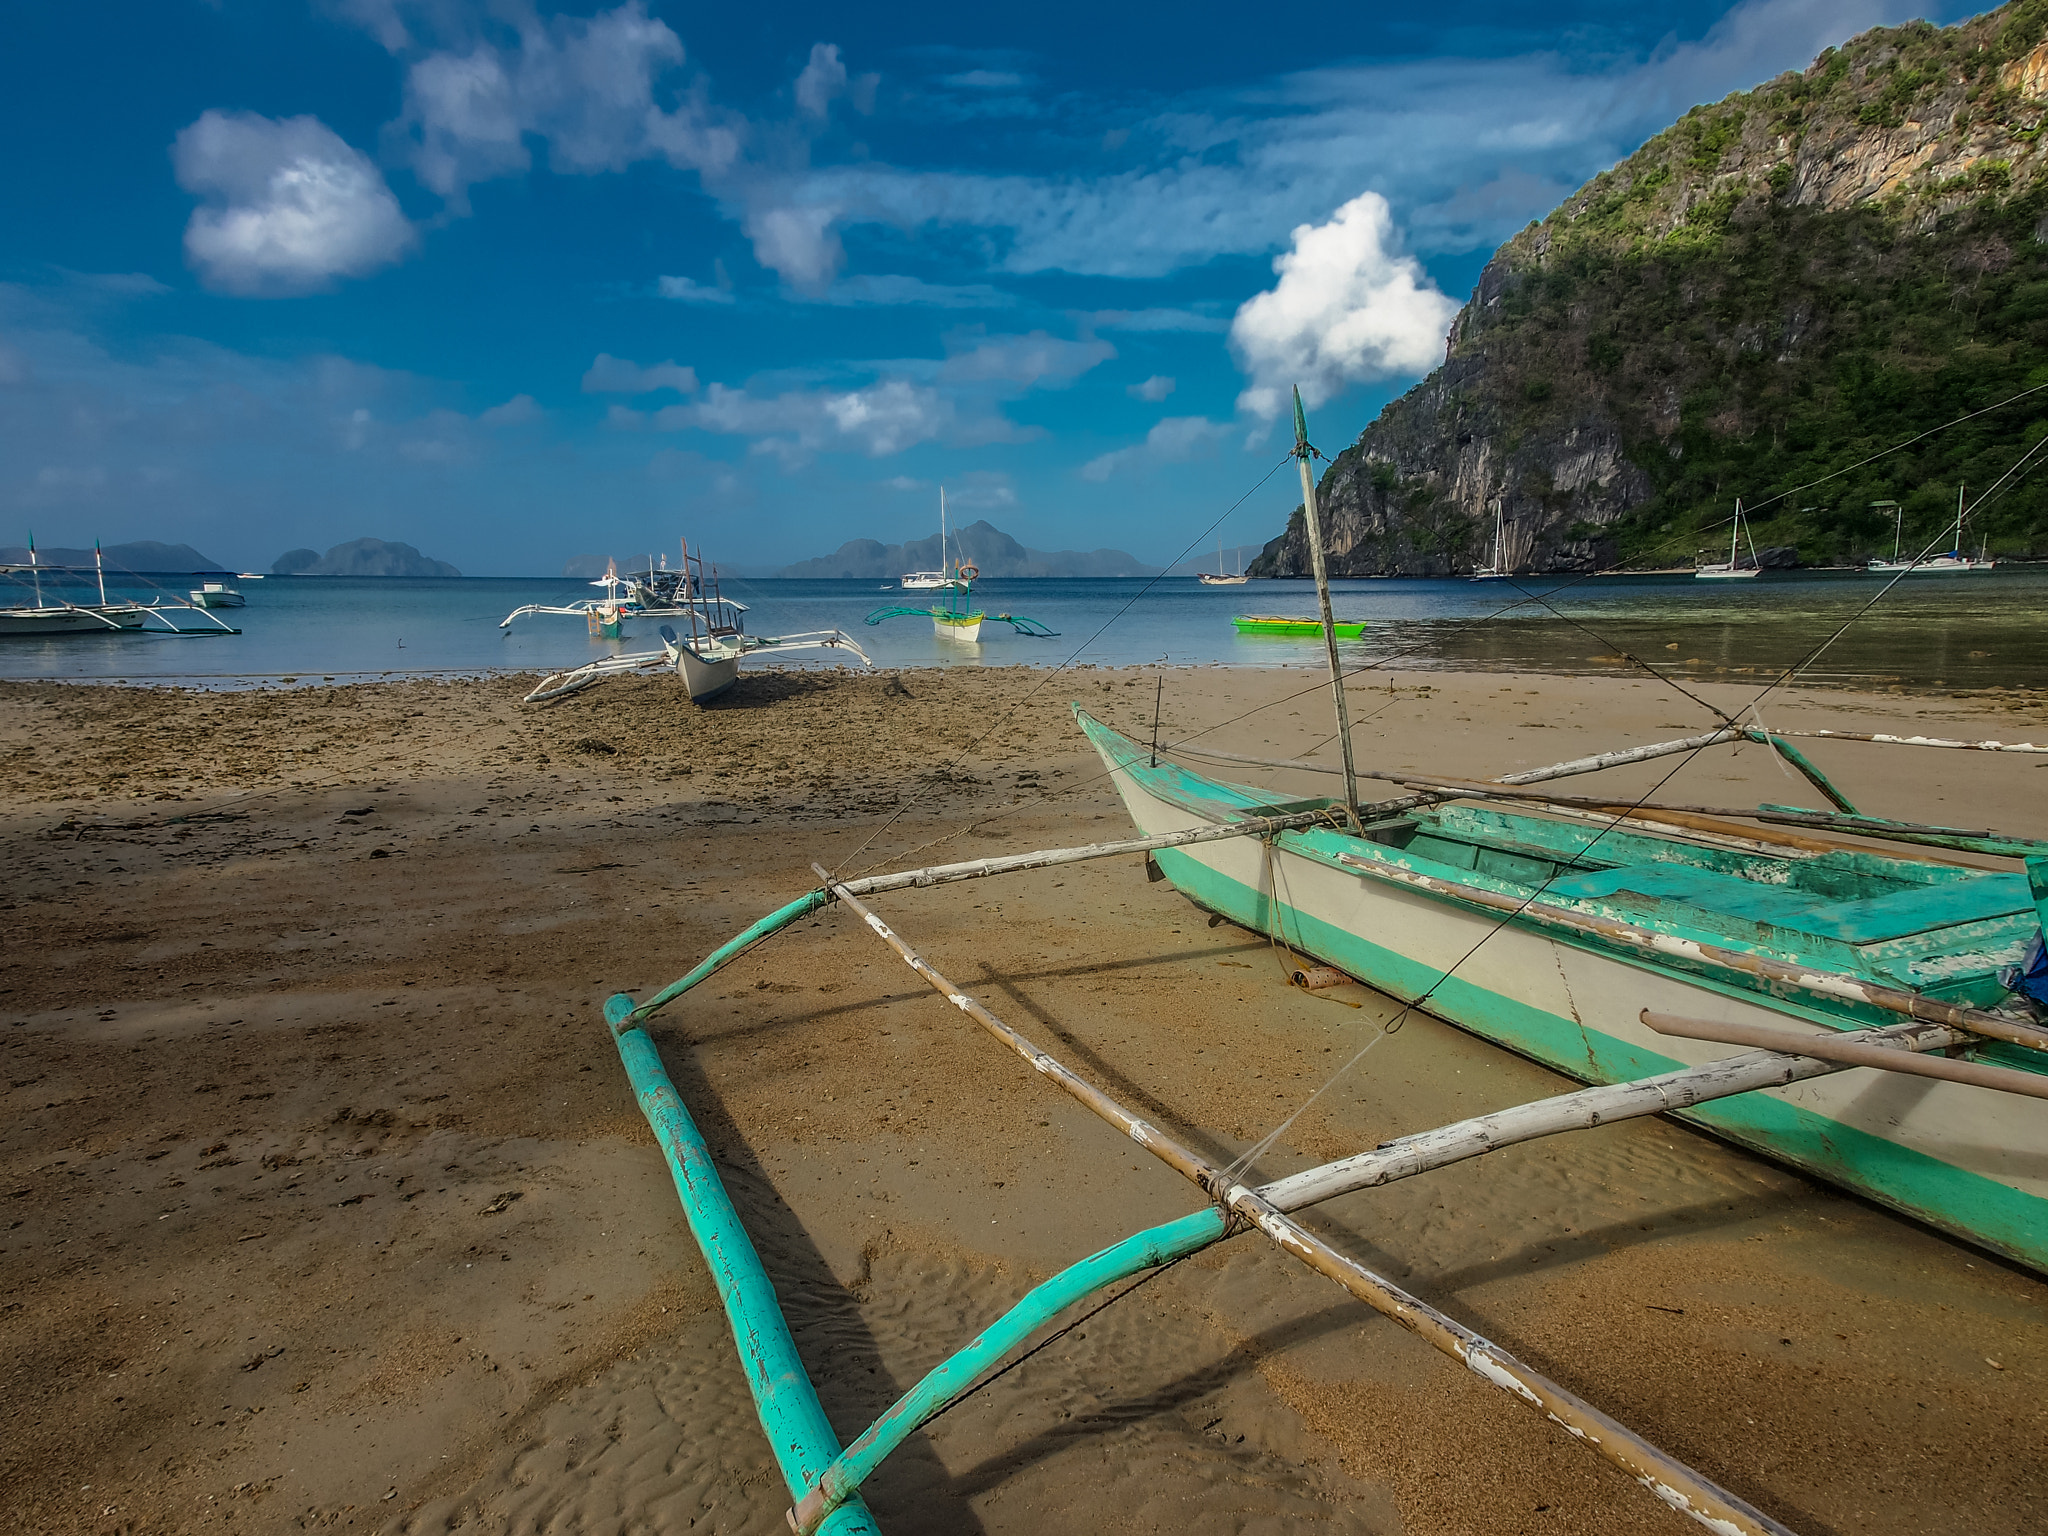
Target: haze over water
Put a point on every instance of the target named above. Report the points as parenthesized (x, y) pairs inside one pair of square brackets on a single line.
[(1927, 632)]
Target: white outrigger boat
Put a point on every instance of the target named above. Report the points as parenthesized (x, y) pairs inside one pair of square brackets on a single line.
[(1677, 962), (708, 658), (59, 617), (654, 593)]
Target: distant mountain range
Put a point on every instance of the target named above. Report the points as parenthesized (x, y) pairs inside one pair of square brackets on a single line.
[(978, 544), (361, 557), (141, 555)]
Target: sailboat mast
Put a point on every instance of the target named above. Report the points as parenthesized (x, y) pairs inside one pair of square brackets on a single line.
[(34, 571), (1734, 533), (1958, 545), (100, 565), (1500, 532), (942, 530), (1302, 454)]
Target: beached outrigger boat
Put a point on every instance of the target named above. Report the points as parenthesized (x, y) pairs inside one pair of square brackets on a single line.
[(708, 658), (1610, 930)]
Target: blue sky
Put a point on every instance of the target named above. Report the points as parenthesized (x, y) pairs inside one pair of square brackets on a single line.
[(514, 284)]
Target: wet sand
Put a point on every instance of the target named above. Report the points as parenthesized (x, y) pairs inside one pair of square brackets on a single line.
[(328, 1207)]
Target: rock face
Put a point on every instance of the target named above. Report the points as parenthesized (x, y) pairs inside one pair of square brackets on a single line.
[(362, 557), (1781, 285), (978, 544)]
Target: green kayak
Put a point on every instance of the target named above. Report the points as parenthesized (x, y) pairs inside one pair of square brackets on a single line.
[(1267, 624)]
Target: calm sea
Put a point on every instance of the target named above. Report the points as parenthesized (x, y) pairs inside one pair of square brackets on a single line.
[(1953, 632)]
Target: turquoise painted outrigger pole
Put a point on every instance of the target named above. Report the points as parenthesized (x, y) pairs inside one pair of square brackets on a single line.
[(1667, 936)]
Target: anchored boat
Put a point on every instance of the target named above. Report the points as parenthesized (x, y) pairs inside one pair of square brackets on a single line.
[(959, 619), (708, 658), (1272, 624)]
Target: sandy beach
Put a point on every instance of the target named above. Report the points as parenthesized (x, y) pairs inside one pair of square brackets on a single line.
[(328, 1207)]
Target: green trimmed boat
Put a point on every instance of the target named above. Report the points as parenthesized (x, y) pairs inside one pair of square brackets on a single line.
[(1270, 624), (1588, 922)]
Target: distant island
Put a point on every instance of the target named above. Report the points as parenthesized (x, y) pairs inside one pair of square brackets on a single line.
[(361, 557), (978, 544), (144, 556)]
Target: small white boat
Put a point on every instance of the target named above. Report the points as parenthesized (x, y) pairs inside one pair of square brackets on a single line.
[(1732, 570), (62, 618), (1497, 570), (1237, 579), (945, 578), (1954, 563), (214, 594)]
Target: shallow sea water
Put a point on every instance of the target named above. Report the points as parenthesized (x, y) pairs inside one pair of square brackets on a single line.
[(1941, 632)]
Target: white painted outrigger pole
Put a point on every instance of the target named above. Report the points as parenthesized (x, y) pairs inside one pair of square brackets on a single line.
[(1303, 454)]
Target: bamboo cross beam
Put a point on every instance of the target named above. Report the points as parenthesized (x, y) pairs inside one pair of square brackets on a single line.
[(1849, 1051), (1400, 1159), (1671, 1481), (971, 869)]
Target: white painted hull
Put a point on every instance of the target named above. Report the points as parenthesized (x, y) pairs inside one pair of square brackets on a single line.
[(706, 677), (967, 633), (1970, 1159), (69, 621)]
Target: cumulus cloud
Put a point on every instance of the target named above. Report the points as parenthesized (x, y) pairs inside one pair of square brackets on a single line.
[(1349, 307), (879, 420), (686, 290), (287, 205), (1037, 359), (1175, 439), (618, 376), (516, 412), (1154, 389), (897, 291), (824, 80), (582, 85)]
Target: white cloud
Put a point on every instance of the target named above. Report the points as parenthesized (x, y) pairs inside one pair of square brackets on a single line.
[(1348, 308), (1175, 439), (797, 243), (583, 85), (896, 291), (881, 419), (685, 290), (982, 490), (287, 206), (824, 80), (1032, 360), (1154, 389), (516, 412), (985, 80), (905, 483), (618, 376), (1148, 320)]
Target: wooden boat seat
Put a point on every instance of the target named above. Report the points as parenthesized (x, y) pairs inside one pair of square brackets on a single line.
[(1869, 921)]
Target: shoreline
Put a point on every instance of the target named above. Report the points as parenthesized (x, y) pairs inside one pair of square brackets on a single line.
[(332, 1206)]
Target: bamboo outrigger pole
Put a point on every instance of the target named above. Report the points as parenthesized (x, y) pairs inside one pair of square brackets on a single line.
[(1303, 454), (1674, 1483)]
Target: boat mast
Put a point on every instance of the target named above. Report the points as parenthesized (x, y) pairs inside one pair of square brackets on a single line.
[(1734, 533), (1958, 545), (1302, 453), (942, 530), (1500, 529), (100, 565)]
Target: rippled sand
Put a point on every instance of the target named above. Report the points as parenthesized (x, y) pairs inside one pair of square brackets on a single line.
[(330, 1208)]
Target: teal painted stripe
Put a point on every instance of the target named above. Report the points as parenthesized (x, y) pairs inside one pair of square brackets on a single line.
[(1995, 1215), (1146, 1250), (798, 1432)]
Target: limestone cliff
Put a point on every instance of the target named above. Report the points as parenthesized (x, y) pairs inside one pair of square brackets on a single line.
[(1781, 285)]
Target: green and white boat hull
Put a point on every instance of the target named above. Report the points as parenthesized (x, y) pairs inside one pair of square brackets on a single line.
[(1969, 1160)]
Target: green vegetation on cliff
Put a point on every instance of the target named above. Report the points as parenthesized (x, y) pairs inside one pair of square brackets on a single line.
[(1781, 285)]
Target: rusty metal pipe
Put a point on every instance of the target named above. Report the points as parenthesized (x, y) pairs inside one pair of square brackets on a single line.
[(1671, 1481)]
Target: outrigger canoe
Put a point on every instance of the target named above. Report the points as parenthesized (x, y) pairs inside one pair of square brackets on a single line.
[(1601, 921), (1270, 624)]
